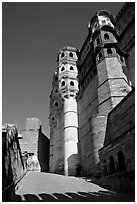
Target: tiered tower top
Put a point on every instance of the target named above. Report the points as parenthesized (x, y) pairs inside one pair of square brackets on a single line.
[(67, 72)]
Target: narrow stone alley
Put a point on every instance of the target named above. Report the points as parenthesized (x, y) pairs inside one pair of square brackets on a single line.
[(46, 187)]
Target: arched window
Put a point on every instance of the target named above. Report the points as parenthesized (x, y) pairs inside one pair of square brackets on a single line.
[(71, 68), (63, 83), (71, 54), (121, 162), (56, 91), (56, 103), (62, 69), (100, 55), (72, 83), (104, 168), (62, 55), (111, 165), (106, 36), (109, 51)]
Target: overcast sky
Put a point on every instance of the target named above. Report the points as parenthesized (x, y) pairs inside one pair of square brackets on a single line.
[(32, 35)]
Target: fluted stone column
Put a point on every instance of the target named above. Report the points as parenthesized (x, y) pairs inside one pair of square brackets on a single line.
[(70, 136)]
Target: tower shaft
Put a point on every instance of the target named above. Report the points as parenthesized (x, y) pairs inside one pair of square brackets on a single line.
[(70, 136), (68, 87)]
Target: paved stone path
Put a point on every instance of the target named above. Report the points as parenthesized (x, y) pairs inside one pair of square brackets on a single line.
[(46, 187)]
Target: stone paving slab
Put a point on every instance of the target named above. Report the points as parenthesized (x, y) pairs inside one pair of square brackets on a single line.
[(46, 187)]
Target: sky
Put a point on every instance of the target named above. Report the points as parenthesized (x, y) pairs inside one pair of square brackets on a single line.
[(32, 35)]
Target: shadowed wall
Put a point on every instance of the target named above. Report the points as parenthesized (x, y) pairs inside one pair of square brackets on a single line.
[(43, 151)]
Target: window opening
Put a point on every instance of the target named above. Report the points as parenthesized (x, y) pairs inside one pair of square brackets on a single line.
[(71, 68), (109, 51), (62, 69), (100, 55), (106, 36), (63, 83), (103, 22), (56, 103), (71, 54), (56, 91), (71, 83), (111, 165), (121, 162), (121, 58)]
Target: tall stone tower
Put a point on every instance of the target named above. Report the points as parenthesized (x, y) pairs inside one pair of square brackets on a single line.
[(68, 87), (110, 61), (103, 84)]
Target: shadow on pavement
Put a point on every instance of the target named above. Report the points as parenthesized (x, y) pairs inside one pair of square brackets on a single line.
[(101, 196)]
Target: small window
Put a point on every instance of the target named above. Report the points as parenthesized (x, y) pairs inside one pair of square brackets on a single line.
[(71, 68), (63, 83), (62, 55), (56, 103), (62, 69), (71, 54), (56, 78), (109, 51), (71, 83), (56, 91), (53, 118), (66, 96), (100, 55), (106, 36), (111, 165), (121, 58), (121, 162), (103, 22), (71, 95)]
